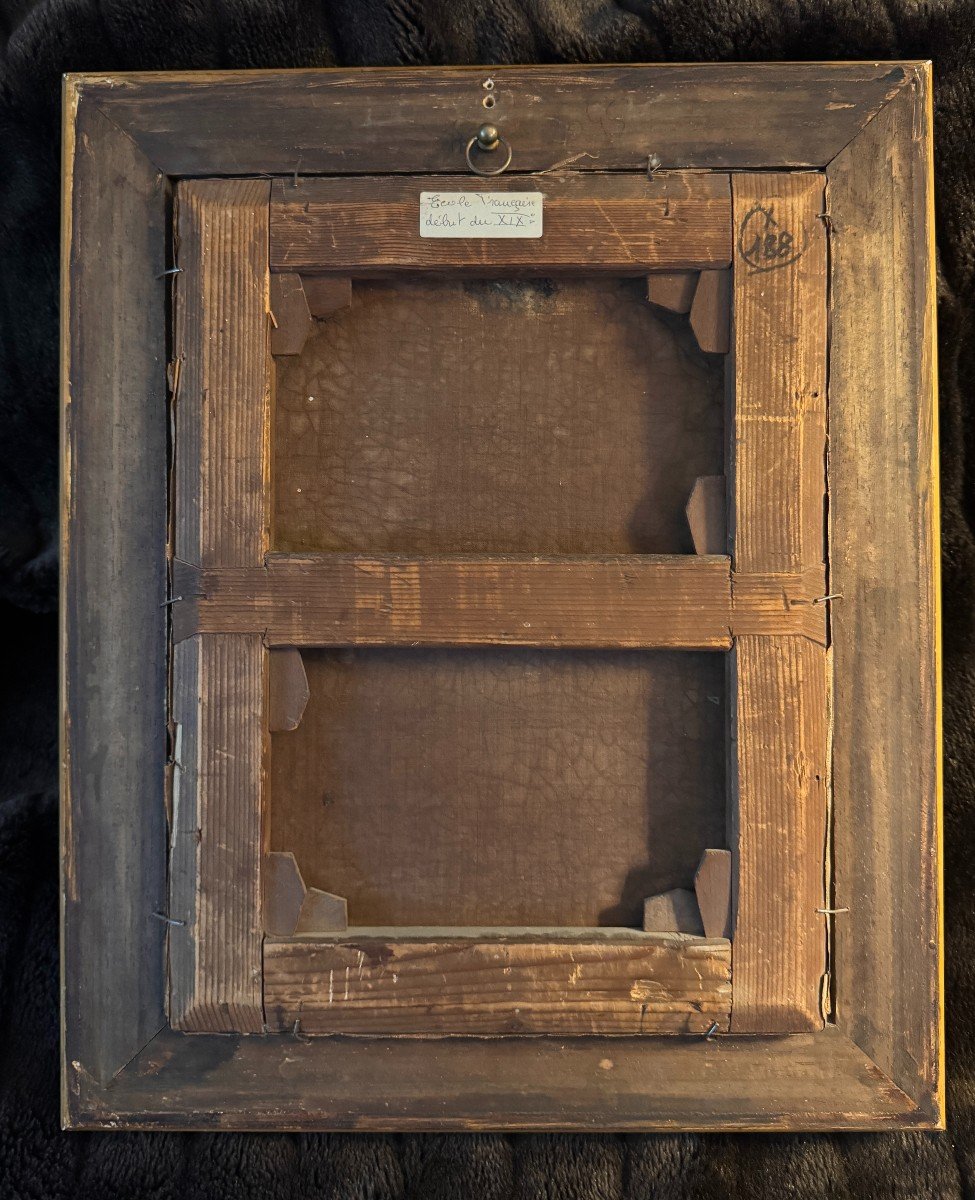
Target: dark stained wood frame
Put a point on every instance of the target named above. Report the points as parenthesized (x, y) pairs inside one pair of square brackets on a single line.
[(868, 128)]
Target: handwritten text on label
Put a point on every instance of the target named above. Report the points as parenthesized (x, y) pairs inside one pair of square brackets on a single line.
[(481, 214)]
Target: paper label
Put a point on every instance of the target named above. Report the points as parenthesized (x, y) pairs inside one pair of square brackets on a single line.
[(481, 214)]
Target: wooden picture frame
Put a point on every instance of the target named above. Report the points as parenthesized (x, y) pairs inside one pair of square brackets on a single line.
[(788, 207)]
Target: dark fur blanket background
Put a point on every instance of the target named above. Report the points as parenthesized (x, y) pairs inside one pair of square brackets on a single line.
[(54, 36)]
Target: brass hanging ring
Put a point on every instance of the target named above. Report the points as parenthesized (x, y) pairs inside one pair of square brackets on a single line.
[(488, 140)]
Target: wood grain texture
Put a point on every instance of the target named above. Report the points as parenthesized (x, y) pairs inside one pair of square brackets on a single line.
[(283, 892), (797, 1081), (774, 1084), (673, 290), (779, 685), (711, 311), (290, 908), (215, 854), (649, 601), (291, 321), (673, 911), (322, 912), (113, 581), (712, 888), (219, 683), (778, 831), (222, 343), (707, 514), (885, 630), (667, 983), (502, 786), (775, 603), (623, 224), (353, 600), (720, 115), (508, 416), (779, 439), (327, 294), (287, 692)]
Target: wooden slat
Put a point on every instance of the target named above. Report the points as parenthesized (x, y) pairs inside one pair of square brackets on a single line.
[(885, 629), (775, 603), (113, 579), (219, 683), (779, 685), (626, 224), (779, 440), (215, 954), (721, 115), (674, 601), (642, 983), (222, 339), (352, 600), (778, 833)]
